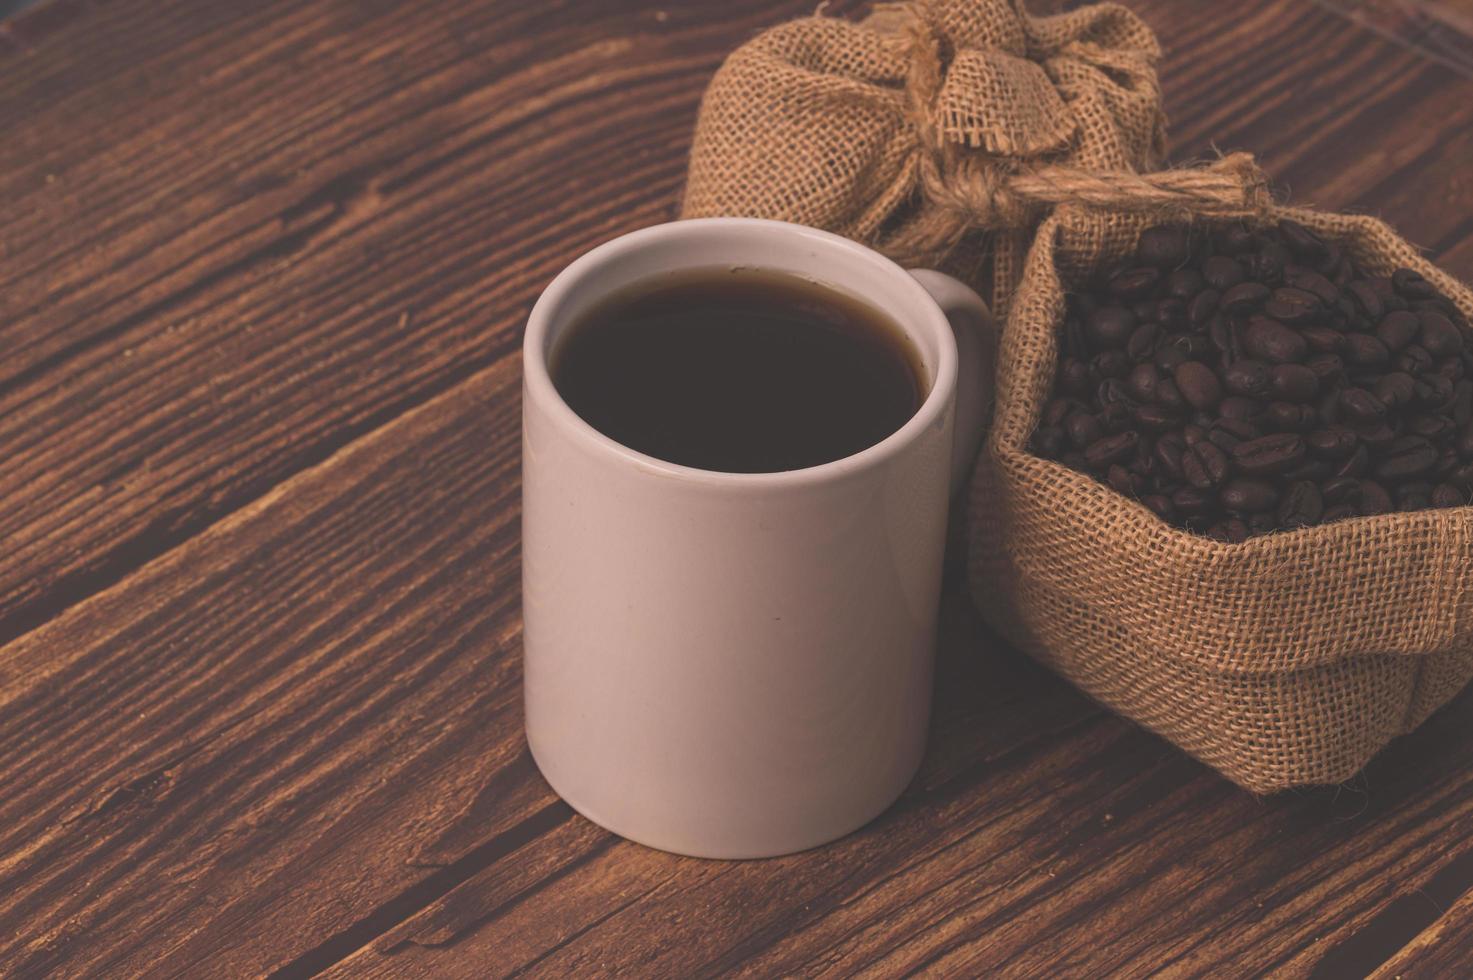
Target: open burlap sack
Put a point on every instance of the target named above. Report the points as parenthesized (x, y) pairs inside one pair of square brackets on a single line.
[(1289, 659), (928, 124)]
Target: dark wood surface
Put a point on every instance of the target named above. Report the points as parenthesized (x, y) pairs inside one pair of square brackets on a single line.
[(263, 270)]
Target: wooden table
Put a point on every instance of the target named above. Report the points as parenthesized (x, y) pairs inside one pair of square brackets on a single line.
[(265, 267)]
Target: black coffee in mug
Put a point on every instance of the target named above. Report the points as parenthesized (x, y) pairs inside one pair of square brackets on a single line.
[(739, 371)]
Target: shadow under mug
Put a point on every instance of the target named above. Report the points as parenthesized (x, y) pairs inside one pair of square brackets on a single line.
[(738, 665)]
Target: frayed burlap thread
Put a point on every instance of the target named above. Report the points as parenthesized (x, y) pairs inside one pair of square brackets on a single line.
[(905, 130), (1287, 660)]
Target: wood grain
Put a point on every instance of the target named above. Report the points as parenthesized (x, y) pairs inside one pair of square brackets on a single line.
[(1441, 30), (261, 279)]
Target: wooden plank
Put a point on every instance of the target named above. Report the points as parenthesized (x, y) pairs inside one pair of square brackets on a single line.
[(1441, 30), (293, 740), (245, 748), (1444, 949), (238, 236)]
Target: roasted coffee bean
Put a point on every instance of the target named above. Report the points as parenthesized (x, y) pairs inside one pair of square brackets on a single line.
[(1202, 307), (1406, 457), (1082, 429), (1300, 277), (1164, 246), (1356, 463), (1135, 282), (1302, 241), (1142, 342), (1439, 335), (1396, 330), (1365, 297), (1328, 369), (1121, 480), (1290, 305), (1160, 505), (1169, 396), (1332, 442), (1395, 389), (1361, 406), (1110, 364), (1447, 495), (1238, 407), (1270, 340), (1112, 449), (1245, 297), (1302, 505), (1156, 418), (1373, 499), (1240, 382), (1364, 350), (1198, 384), (1142, 381), (1248, 496), (1410, 284), (1414, 359), (1204, 465), (1185, 283), (1171, 313), (1109, 327), (1268, 455), (1288, 417), (1191, 502), (1323, 340), (1293, 382)]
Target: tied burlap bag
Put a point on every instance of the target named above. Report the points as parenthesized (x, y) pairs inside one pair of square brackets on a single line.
[(929, 126), (1289, 659)]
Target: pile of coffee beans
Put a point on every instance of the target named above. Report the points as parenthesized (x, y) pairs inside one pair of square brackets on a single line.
[(1242, 380)]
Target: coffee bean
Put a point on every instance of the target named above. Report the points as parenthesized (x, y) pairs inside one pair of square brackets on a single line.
[(1202, 307), (1333, 442), (1414, 359), (1365, 350), (1142, 381), (1365, 297), (1290, 305), (1239, 382), (1439, 335), (1238, 407), (1405, 457), (1323, 340), (1142, 341), (1204, 466), (1301, 240), (1135, 282), (1168, 396), (1248, 378), (1245, 297), (1112, 449), (1447, 495), (1293, 382), (1082, 429), (1373, 499), (1302, 505), (1110, 327), (1248, 496), (1198, 385), (1410, 284), (1362, 406), (1268, 455), (1269, 340)]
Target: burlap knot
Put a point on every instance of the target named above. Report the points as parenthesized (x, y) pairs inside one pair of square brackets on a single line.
[(940, 131)]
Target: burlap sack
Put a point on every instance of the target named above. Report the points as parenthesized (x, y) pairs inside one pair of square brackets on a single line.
[(1289, 659), (927, 121), (946, 133)]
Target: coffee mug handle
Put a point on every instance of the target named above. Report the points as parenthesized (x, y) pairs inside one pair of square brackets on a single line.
[(971, 322)]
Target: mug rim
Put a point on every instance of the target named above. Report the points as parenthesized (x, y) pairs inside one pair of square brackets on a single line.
[(538, 383)]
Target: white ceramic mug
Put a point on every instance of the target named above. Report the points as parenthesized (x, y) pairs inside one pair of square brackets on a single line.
[(738, 665)]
